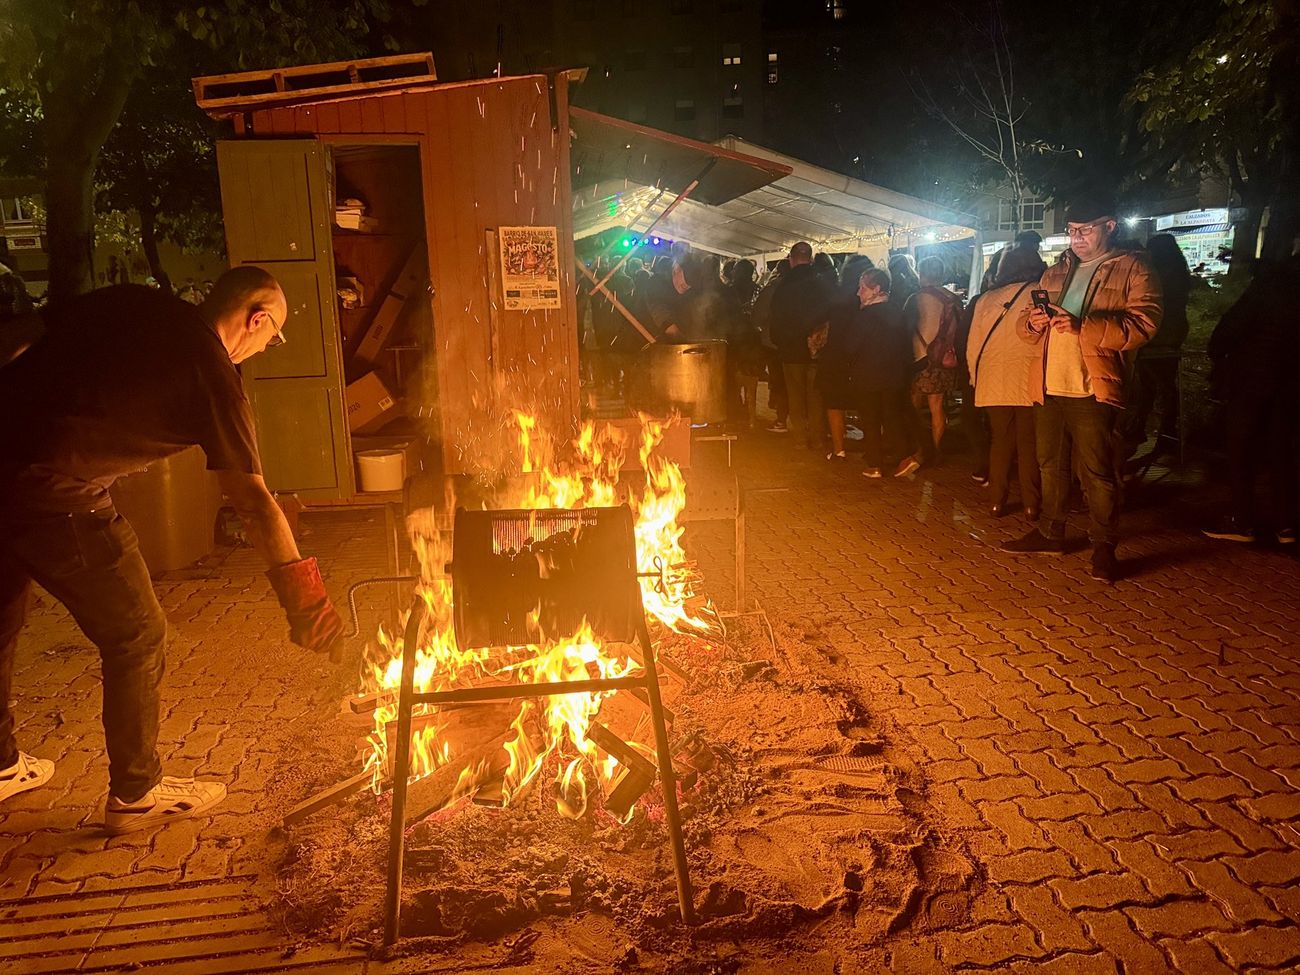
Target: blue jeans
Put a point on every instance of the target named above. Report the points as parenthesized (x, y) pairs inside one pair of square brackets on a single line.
[(92, 564), (1080, 429)]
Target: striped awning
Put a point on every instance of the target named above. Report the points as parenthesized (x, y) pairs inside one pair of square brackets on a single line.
[(1210, 228)]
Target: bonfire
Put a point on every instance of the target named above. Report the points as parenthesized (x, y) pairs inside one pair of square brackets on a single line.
[(582, 474)]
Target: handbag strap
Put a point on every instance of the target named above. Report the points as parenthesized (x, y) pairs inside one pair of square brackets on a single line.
[(983, 345)]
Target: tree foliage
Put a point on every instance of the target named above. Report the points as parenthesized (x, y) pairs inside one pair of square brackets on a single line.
[(1217, 103), (1213, 101), (78, 61)]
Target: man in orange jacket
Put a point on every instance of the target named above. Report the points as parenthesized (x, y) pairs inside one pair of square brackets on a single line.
[(1103, 304)]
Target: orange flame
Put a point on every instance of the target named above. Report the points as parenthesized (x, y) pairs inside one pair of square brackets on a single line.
[(551, 725)]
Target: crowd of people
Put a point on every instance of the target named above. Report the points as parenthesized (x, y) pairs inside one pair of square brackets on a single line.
[(1058, 370)]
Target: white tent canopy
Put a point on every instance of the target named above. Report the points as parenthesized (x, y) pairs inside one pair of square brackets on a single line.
[(831, 211)]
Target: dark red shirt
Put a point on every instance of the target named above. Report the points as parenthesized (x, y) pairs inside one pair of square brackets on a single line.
[(124, 376)]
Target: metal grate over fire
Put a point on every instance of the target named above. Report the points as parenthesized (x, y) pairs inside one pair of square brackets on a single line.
[(530, 656)]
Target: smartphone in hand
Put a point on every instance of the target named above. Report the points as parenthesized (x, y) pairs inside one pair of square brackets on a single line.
[(1041, 300)]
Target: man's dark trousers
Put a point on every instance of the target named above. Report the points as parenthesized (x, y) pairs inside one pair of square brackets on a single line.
[(1261, 427), (92, 564), (807, 412), (1082, 425)]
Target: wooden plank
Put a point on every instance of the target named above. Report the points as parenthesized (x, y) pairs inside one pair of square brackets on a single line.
[(222, 107), (280, 85), (327, 118), (393, 109), (488, 138), (461, 342), (350, 113), (420, 60), (563, 202), (372, 115), (439, 187), (323, 800)]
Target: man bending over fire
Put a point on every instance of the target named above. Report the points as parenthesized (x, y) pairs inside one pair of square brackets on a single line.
[(121, 377)]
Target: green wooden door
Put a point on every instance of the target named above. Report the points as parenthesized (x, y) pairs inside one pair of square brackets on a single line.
[(275, 195)]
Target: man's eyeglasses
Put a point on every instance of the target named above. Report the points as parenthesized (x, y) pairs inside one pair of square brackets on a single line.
[(278, 338), (1085, 229)]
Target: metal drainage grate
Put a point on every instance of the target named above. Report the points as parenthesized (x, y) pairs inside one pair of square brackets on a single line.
[(199, 926)]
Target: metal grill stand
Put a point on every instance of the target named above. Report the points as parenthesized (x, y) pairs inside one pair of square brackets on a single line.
[(648, 681)]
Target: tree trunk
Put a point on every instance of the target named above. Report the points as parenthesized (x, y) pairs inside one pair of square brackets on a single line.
[(149, 243), (1245, 237), (76, 120), (1017, 204), (69, 225), (1284, 208)]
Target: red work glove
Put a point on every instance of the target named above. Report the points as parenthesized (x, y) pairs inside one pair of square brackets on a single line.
[(313, 623)]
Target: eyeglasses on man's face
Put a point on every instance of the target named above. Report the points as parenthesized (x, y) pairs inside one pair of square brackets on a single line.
[(278, 338), (1086, 229)]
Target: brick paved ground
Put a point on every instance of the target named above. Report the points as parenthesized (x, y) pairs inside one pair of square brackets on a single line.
[(1133, 802), (233, 683)]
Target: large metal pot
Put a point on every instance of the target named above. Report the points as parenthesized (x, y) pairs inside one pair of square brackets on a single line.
[(690, 378)]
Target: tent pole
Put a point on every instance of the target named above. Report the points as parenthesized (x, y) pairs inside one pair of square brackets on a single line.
[(976, 266), (713, 161), (600, 286)]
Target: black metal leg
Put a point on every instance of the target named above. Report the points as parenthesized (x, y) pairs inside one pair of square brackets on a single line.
[(685, 896), (401, 772)]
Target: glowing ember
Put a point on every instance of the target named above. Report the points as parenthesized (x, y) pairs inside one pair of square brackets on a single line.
[(588, 476)]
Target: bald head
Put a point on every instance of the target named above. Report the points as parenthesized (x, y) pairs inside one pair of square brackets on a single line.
[(243, 288), (247, 309)]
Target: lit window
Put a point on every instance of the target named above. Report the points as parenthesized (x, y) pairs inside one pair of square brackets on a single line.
[(731, 55), (14, 210), (1033, 214), (773, 68), (836, 9)]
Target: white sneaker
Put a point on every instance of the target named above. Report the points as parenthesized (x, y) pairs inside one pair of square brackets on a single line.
[(171, 799), (28, 772)]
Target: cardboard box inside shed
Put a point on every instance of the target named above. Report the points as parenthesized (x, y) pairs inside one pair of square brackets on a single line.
[(370, 404), (410, 283)]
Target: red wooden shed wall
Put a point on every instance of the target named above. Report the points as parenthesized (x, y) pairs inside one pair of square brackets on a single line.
[(491, 157)]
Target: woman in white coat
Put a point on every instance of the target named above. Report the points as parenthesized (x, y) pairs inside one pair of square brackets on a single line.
[(1000, 365)]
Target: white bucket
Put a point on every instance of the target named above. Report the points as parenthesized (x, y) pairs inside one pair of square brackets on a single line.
[(381, 470)]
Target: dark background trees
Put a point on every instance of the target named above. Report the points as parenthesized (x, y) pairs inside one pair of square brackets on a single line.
[(74, 65), (1120, 95)]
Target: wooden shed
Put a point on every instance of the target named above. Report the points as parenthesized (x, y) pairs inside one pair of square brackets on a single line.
[(383, 202)]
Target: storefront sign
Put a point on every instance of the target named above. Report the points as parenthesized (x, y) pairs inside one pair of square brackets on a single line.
[(1192, 218)]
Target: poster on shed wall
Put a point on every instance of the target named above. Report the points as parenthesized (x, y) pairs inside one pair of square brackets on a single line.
[(530, 267)]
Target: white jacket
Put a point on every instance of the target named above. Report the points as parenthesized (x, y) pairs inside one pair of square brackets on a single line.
[(1001, 367)]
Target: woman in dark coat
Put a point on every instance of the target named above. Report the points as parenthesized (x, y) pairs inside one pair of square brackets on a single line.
[(881, 369), (834, 372)]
